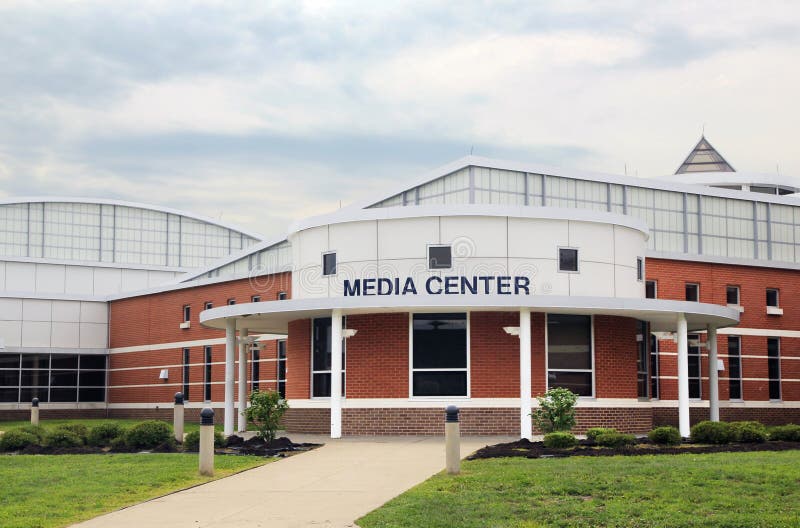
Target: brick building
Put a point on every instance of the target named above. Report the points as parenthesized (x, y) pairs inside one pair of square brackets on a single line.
[(656, 300)]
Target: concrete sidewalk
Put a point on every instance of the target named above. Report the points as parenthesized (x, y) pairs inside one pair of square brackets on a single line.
[(327, 487)]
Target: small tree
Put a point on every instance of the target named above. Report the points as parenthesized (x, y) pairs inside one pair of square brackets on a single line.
[(556, 410), (265, 413)]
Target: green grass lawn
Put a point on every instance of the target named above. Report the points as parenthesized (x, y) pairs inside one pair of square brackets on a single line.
[(91, 422), (46, 490), (723, 489)]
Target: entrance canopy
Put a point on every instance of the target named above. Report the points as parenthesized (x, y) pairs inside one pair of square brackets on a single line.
[(274, 316)]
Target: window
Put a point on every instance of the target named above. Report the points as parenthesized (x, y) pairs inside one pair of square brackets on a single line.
[(187, 313), (440, 257), (732, 295), (282, 368), (567, 259), (694, 366), (439, 354), (209, 305), (207, 379), (256, 367), (735, 367), (639, 268), (255, 298), (321, 358), (642, 358), (692, 292), (281, 295), (569, 353), (650, 289), (231, 302), (329, 263), (772, 297), (774, 367), (186, 370), (56, 378), (653, 367)]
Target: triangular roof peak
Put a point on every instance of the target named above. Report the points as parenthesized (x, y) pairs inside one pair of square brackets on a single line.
[(704, 158)]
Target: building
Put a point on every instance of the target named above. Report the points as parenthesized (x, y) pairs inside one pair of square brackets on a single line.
[(484, 283)]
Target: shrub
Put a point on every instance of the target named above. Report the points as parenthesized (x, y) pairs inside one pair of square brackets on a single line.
[(593, 432), (748, 432), (786, 433), (80, 430), (615, 439), (103, 434), (666, 435), (191, 441), (17, 439), (36, 430), (147, 435), (60, 437), (707, 432), (265, 413), (556, 410), (560, 440)]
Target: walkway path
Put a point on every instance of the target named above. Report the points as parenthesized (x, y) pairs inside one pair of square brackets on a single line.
[(327, 487)]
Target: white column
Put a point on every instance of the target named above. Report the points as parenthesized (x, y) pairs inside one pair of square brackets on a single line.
[(230, 356), (713, 374), (683, 377), (525, 373), (243, 346), (336, 373)]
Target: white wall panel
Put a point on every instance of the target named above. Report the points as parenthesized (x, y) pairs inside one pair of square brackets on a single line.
[(11, 333), (65, 335), (536, 238), (626, 283), (107, 280), (79, 280), (94, 312), (595, 241), (308, 249), (406, 237), (133, 280), (475, 236), (35, 334), (10, 309), (67, 311), (356, 241), (93, 335), (37, 310), (50, 278), (20, 276), (594, 280), (2, 276), (628, 244)]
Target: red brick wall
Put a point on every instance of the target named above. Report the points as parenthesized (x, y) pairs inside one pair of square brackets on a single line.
[(615, 355), (672, 275), (298, 360), (155, 318), (377, 356)]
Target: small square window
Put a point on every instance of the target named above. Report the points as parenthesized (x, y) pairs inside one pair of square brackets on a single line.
[(329, 264), (209, 305), (650, 289), (732, 295), (440, 257), (281, 296), (231, 302), (772, 297), (692, 292), (255, 298), (187, 313), (567, 259), (639, 268)]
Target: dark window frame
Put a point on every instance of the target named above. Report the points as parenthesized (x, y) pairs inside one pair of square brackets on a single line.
[(732, 288), (696, 286), (187, 360), (208, 359), (777, 293), (446, 257), (774, 362), (329, 268), (562, 251), (647, 285), (735, 382), (187, 313), (418, 373), (549, 322)]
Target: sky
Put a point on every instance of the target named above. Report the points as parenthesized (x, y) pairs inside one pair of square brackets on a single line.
[(262, 113)]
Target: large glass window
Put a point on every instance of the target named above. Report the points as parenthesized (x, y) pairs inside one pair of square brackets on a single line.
[(186, 371), (774, 367), (439, 354), (735, 367), (61, 378), (321, 358), (282, 367), (694, 366), (207, 375), (256, 367), (569, 353), (653, 367), (642, 358)]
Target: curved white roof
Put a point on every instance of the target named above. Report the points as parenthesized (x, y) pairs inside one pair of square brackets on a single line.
[(123, 203), (737, 178)]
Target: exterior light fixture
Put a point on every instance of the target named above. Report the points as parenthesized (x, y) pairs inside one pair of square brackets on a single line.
[(164, 375), (349, 332), (511, 330)]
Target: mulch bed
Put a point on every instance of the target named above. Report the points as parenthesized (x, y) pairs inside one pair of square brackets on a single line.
[(527, 449), (280, 447)]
